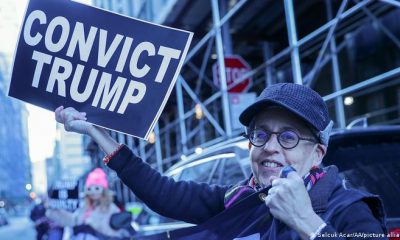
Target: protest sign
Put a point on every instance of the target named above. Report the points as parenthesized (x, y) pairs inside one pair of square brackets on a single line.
[(64, 194), (117, 69)]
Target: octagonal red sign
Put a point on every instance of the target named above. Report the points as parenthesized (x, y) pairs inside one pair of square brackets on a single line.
[(235, 68)]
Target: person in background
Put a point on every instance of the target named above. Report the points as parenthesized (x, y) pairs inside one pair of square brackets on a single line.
[(288, 129), (93, 216), (45, 227), (38, 216)]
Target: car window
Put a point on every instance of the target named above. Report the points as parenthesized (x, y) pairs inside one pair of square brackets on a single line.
[(228, 172), (198, 173), (374, 168), (233, 173), (244, 159)]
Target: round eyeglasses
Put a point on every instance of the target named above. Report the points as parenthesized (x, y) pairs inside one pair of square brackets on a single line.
[(94, 189), (288, 139)]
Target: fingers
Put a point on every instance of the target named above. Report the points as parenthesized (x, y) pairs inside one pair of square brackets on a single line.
[(268, 199), (59, 109), (82, 116), (69, 113), (273, 195), (294, 176), (68, 116), (273, 191), (272, 178), (79, 115), (283, 186), (286, 170), (58, 114), (293, 180)]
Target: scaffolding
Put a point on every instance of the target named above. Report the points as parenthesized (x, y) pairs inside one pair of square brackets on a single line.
[(314, 57)]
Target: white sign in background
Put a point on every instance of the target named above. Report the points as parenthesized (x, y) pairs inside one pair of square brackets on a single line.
[(239, 102)]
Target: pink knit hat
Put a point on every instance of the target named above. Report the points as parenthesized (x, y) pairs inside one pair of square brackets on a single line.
[(97, 177)]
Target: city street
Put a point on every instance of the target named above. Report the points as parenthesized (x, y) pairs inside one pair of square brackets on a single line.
[(19, 228), (130, 119)]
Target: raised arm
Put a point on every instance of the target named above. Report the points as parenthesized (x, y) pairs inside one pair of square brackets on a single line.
[(186, 201)]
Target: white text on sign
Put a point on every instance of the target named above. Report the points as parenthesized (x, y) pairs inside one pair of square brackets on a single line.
[(67, 76)]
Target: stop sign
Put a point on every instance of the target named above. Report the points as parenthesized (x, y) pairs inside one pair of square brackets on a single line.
[(235, 68)]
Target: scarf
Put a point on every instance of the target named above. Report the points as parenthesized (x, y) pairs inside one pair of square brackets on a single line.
[(238, 192)]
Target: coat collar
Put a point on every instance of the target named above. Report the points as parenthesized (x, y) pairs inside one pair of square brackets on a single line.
[(323, 189)]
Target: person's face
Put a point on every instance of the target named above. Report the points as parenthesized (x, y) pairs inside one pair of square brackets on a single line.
[(269, 159), (94, 191)]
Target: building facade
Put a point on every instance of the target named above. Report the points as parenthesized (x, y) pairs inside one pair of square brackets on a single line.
[(71, 160), (53, 165), (15, 164)]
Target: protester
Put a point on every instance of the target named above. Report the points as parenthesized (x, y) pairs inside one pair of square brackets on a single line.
[(45, 228), (288, 129), (93, 217), (38, 216)]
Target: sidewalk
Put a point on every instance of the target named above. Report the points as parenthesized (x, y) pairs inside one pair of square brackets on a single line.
[(19, 228)]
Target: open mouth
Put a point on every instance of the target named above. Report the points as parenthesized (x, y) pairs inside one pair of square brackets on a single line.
[(271, 164)]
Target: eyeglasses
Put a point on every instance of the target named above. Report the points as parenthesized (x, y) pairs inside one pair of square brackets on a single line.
[(288, 139), (94, 189)]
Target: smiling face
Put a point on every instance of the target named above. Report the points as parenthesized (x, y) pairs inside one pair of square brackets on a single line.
[(268, 160)]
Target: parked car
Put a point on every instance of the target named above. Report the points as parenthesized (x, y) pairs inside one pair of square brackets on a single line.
[(223, 164), (368, 158)]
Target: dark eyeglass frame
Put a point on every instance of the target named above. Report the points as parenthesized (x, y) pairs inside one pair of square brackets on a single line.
[(94, 189), (278, 134)]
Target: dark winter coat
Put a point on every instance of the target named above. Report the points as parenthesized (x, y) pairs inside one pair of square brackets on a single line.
[(344, 210)]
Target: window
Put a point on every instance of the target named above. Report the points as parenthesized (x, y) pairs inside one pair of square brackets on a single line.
[(198, 173), (228, 172), (232, 173)]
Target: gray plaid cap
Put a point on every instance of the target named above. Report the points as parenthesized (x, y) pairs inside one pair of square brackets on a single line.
[(298, 99)]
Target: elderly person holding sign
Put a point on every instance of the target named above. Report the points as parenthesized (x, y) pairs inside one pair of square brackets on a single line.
[(288, 130)]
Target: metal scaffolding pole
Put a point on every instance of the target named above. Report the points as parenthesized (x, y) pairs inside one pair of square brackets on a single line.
[(267, 54), (212, 120), (167, 144), (142, 150), (292, 35), (294, 46), (204, 76), (392, 2), (203, 67), (316, 68), (158, 149), (337, 85), (221, 63), (333, 22), (366, 83), (181, 113), (384, 29), (211, 33), (304, 40), (225, 28)]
